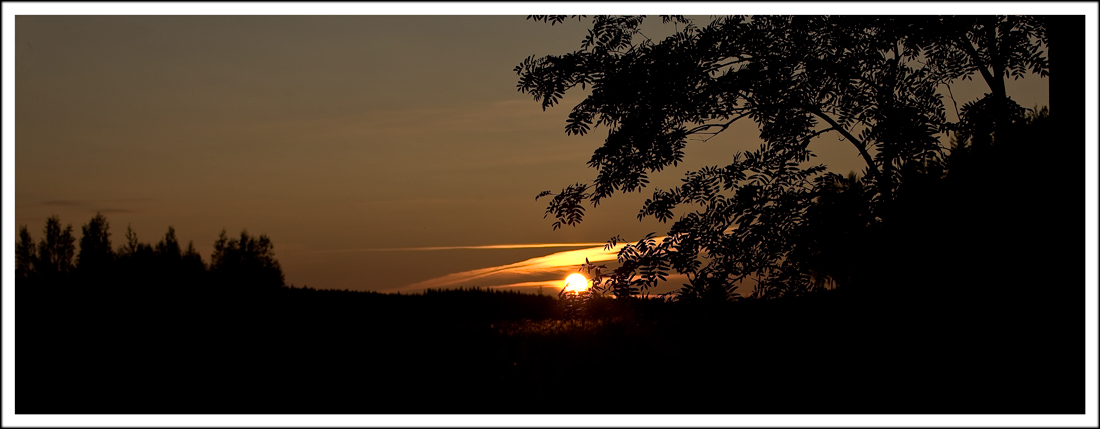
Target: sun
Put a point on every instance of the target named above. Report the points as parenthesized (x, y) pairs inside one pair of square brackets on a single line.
[(576, 283)]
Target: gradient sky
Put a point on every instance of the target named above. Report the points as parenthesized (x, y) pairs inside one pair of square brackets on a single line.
[(378, 153)]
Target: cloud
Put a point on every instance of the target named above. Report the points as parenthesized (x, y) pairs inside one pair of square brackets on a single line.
[(543, 271), (72, 203), (65, 203), (102, 206), (106, 206), (485, 247), (546, 267)]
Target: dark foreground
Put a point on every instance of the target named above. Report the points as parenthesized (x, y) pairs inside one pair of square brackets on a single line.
[(304, 351)]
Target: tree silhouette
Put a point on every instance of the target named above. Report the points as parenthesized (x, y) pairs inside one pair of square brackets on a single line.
[(24, 254), (870, 81), (96, 254), (244, 264), (168, 248), (168, 254), (55, 251), (135, 262), (186, 267), (191, 261), (247, 263), (132, 245)]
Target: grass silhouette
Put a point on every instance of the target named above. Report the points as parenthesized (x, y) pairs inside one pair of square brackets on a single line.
[(303, 350)]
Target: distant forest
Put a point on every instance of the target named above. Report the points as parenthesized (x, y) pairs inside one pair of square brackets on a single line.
[(244, 263)]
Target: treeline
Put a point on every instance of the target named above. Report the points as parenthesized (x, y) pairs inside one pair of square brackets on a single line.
[(165, 281), (245, 263)]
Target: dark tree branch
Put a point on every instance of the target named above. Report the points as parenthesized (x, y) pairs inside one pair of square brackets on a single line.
[(701, 128), (995, 85), (861, 146)]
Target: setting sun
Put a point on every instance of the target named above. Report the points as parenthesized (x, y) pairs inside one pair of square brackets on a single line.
[(576, 283)]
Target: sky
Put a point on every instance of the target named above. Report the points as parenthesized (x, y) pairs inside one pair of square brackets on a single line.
[(383, 153)]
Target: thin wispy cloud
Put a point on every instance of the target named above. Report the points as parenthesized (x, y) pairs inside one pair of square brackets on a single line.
[(543, 266), (544, 271), (484, 247), (76, 203), (538, 271), (102, 206)]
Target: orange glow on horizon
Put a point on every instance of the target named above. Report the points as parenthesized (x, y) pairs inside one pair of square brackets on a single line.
[(554, 263)]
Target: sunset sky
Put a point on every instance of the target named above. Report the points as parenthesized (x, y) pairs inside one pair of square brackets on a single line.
[(384, 147), (385, 153)]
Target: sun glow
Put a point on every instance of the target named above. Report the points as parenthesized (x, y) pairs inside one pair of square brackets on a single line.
[(576, 283)]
